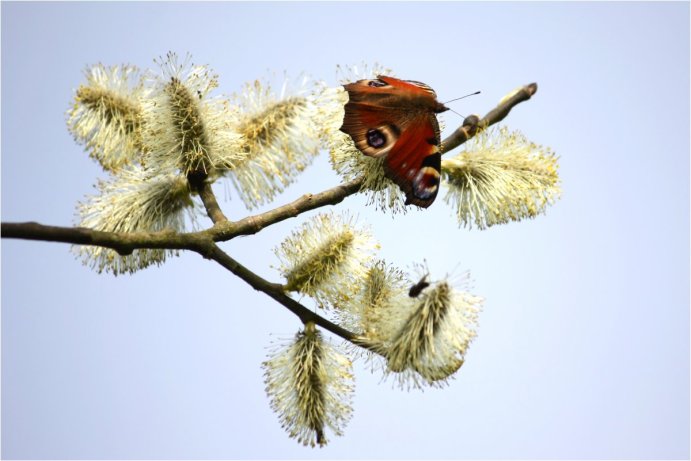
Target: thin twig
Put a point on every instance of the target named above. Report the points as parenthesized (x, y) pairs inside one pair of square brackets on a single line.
[(253, 224), (198, 182), (210, 203), (276, 292)]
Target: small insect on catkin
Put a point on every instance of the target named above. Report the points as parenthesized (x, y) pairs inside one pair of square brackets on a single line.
[(431, 343), (416, 289)]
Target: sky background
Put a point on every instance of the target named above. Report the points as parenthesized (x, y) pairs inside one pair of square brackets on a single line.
[(583, 344)]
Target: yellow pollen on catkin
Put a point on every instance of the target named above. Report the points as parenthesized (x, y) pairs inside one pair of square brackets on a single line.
[(192, 137), (501, 177), (321, 264), (260, 129), (115, 109), (326, 258), (310, 384), (105, 115)]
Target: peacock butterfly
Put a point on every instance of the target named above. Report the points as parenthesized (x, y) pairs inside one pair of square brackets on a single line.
[(397, 119)]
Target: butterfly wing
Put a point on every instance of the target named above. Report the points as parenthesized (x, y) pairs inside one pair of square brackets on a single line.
[(371, 127), (396, 118), (414, 162)]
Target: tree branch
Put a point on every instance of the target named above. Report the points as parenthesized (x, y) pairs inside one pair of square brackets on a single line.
[(224, 229), (203, 242)]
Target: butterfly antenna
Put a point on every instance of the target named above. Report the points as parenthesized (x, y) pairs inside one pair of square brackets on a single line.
[(471, 94), (462, 116)]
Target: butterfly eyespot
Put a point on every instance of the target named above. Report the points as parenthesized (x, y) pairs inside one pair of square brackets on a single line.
[(375, 138), (376, 83), (426, 183)]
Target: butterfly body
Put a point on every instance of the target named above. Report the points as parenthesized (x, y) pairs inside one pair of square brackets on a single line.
[(396, 119)]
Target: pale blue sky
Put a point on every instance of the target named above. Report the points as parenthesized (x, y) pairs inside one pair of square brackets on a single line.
[(583, 345)]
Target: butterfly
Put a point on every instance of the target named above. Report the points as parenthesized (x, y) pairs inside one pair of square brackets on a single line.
[(396, 119)]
